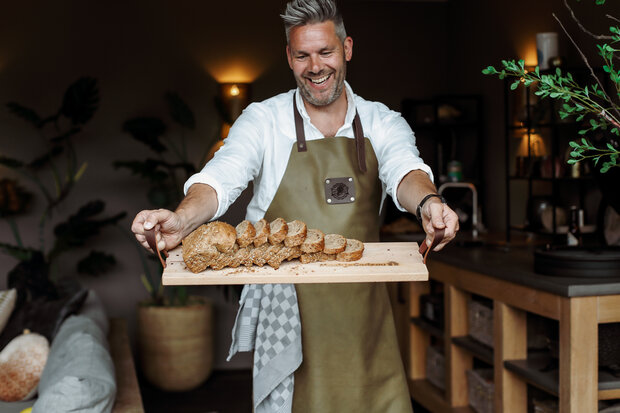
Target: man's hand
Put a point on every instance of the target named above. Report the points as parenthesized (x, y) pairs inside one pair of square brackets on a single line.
[(436, 215), (198, 206), (168, 227)]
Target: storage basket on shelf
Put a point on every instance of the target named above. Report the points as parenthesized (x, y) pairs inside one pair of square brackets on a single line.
[(435, 367), (480, 388), (545, 406), (480, 320)]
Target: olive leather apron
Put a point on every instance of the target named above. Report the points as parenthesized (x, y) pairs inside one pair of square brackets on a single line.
[(351, 361)]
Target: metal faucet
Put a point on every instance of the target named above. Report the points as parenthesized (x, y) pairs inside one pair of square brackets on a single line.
[(474, 194)]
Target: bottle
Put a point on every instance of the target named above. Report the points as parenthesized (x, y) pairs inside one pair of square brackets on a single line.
[(573, 236)]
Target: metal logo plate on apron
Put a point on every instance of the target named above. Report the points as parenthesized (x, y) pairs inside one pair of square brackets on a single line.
[(339, 190)]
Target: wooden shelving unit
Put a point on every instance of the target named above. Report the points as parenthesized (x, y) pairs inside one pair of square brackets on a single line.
[(576, 380)]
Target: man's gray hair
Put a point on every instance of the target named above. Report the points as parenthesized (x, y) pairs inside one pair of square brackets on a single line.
[(303, 12)]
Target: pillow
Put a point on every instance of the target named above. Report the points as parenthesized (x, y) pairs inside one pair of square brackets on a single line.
[(79, 375), (21, 365), (7, 303), (42, 316)]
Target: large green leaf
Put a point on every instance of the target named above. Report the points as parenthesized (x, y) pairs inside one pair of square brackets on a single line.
[(149, 169), (179, 111), (81, 226), (81, 100), (11, 162), (27, 114), (96, 263), (21, 253), (47, 157), (147, 130)]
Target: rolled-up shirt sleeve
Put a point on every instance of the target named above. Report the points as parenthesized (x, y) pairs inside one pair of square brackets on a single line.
[(237, 162), (395, 145)]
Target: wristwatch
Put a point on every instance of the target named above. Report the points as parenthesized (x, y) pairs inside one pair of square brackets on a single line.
[(418, 210)]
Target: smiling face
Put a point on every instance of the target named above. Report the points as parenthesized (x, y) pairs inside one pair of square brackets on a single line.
[(318, 60)]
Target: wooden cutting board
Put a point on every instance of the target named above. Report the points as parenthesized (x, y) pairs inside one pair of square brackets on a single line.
[(381, 262)]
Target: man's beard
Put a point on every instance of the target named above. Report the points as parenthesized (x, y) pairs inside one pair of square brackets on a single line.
[(307, 94)]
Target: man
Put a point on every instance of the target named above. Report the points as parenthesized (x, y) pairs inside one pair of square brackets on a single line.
[(292, 146)]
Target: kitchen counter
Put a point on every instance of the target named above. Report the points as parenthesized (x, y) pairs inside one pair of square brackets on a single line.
[(506, 276), (515, 264)]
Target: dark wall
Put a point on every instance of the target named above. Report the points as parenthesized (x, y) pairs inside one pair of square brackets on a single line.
[(140, 49)]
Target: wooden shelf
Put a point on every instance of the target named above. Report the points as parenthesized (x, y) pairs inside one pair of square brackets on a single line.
[(428, 327), (533, 370), (432, 398), (479, 350)]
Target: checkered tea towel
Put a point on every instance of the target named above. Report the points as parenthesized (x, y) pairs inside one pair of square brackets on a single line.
[(268, 322)]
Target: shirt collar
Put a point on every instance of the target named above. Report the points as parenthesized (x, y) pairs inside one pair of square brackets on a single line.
[(351, 110)]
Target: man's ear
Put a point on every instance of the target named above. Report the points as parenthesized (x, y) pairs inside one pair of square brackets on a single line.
[(289, 57), (348, 48)]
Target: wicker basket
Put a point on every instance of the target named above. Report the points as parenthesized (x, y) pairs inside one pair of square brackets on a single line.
[(480, 320), (436, 367), (480, 388), (545, 406), (176, 345)]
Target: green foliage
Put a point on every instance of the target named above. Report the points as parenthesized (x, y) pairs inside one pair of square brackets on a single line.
[(589, 104), (55, 161), (165, 171)]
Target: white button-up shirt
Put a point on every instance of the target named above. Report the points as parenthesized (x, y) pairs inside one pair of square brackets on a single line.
[(260, 141)]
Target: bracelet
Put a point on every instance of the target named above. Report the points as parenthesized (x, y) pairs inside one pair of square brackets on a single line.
[(418, 210)]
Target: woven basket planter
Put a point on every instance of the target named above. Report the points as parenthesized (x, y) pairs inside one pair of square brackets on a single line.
[(175, 345)]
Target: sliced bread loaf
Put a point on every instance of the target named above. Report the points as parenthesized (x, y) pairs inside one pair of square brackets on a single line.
[(296, 233), (277, 231), (314, 242), (262, 232), (245, 233), (315, 257), (334, 243), (352, 252)]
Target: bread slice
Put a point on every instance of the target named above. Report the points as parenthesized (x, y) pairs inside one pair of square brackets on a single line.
[(314, 242), (258, 254), (297, 231), (316, 257), (277, 231), (203, 244), (224, 259), (285, 253), (245, 233), (334, 243), (262, 232), (352, 252), (197, 255)]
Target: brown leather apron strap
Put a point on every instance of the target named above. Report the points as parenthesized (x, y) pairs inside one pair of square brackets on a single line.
[(299, 127), (358, 132), (151, 239), (359, 142), (437, 238)]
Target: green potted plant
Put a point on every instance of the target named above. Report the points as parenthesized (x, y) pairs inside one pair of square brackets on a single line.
[(54, 171), (596, 109), (174, 327)]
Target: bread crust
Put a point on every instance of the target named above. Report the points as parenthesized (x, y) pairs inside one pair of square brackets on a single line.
[(314, 242), (297, 231), (277, 231), (262, 232), (353, 251), (334, 243), (245, 233)]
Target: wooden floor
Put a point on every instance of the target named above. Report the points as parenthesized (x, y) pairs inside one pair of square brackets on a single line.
[(226, 391)]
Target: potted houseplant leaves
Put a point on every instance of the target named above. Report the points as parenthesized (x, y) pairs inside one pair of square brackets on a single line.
[(592, 105), (39, 277), (174, 328)]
